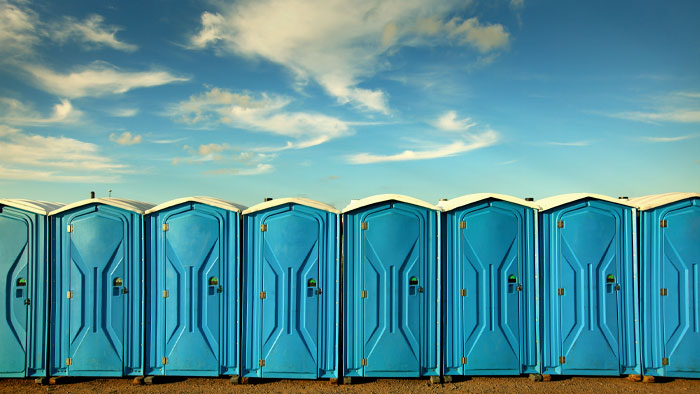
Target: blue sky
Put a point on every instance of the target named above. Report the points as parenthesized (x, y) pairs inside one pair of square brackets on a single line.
[(334, 100)]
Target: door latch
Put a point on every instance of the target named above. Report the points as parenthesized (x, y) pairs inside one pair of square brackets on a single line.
[(220, 289), (125, 290), (519, 287), (27, 302), (420, 289), (318, 291)]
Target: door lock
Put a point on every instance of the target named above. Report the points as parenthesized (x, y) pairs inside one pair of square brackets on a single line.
[(420, 289), (220, 289), (318, 291), (125, 290)]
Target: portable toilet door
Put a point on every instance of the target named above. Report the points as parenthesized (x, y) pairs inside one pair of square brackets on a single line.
[(290, 290), (24, 286), (97, 295), (589, 285), (391, 288), (192, 296), (489, 285), (670, 277)]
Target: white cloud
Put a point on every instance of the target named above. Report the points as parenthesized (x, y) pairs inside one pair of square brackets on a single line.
[(669, 139), (340, 44), (58, 159), (97, 79), (264, 113), (678, 116), (18, 33), (469, 142), (13, 111), (125, 138), (169, 141), (124, 112), (517, 4), (449, 122), (257, 170), (569, 143), (91, 31)]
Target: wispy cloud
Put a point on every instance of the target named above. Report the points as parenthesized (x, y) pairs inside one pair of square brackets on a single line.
[(670, 139), (237, 161), (265, 113), (15, 112), (339, 44), (569, 143), (680, 116), (124, 112), (97, 79), (92, 32), (169, 141), (56, 159), (125, 138), (468, 142), (449, 122)]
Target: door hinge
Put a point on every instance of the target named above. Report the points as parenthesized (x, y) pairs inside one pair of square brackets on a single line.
[(363, 225), (166, 227), (462, 224), (664, 361), (463, 360), (166, 294), (363, 294), (663, 223), (165, 360), (261, 363), (69, 294), (562, 360), (560, 224), (363, 362), (263, 295), (664, 292), (463, 292), (560, 291), (263, 227), (69, 361), (69, 228)]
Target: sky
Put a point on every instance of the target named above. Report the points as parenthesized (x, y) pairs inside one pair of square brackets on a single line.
[(337, 100)]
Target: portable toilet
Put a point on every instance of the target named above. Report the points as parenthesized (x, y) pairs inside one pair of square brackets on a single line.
[(290, 290), (97, 288), (24, 286), (489, 282), (670, 278), (391, 288), (589, 285), (192, 288)]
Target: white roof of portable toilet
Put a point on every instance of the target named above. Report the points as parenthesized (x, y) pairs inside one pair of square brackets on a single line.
[(467, 199), (656, 200), (139, 207), (555, 201), (291, 200), (355, 204), (212, 201), (40, 207)]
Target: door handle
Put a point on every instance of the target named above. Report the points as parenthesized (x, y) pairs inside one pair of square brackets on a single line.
[(420, 289), (318, 291), (220, 289), (125, 290)]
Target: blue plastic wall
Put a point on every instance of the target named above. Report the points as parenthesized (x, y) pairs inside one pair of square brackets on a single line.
[(670, 260), (394, 330), (490, 288), (194, 330), (593, 324), (24, 247), (100, 328), (295, 263)]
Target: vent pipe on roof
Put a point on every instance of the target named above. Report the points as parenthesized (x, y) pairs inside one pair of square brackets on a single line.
[(443, 199), (529, 199), (268, 199), (92, 194), (623, 198)]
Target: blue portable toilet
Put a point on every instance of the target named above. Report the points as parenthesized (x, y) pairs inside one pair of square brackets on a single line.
[(670, 277), (192, 293), (97, 294), (589, 285), (391, 288), (489, 282), (290, 290), (24, 286)]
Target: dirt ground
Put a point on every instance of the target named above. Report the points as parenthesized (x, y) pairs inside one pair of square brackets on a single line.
[(402, 386)]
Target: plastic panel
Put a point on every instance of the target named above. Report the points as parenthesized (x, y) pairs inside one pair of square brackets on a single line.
[(395, 327), (294, 329)]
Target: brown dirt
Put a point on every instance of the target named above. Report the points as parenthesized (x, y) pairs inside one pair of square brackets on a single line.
[(401, 386)]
